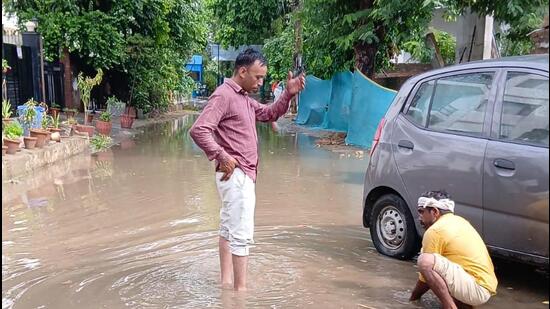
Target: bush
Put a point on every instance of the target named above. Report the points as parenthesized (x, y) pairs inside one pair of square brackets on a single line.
[(115, 107), (100, 142), (13, 130), (105, 116)]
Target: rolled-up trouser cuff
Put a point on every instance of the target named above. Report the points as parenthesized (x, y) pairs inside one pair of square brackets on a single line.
[(236, 246)]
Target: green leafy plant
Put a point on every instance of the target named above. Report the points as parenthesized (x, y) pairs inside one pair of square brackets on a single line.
[(6, 109), (421, 52), (71, 121), (105, 116), (55, 105), (47, 121), (5, 66), (30, 113), (100, 142), (85, 85), (13, 130), (115, 106), (56, 122)]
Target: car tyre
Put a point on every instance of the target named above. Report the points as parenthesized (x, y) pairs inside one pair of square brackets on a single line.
[(392, 228)]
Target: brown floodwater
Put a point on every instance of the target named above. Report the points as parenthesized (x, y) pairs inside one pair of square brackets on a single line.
[(136, 227)]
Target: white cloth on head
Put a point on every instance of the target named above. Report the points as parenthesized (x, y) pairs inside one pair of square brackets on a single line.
[(443, 204)]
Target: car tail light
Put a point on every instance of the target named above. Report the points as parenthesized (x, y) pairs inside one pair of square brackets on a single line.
[(377, 135)]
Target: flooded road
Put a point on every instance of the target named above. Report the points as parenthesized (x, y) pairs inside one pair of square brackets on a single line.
[(136, 227)]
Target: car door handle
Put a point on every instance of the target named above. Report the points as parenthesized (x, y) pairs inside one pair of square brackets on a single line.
[(406, 144), (504, 164)]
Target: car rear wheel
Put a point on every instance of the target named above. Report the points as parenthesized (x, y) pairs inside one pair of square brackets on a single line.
[(392, 228)]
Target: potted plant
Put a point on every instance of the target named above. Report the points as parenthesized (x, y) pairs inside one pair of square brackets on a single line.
[(6, 112), (85, 85), (103, 124), (46, 123), (12, 136), (55, 109), (41, 135), (27, 116), (30, 142), (69, 112), (55, 123), (55, 129), (127, 119), (115, 106)]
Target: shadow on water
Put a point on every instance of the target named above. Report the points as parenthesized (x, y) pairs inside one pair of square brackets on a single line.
[(136, 227)]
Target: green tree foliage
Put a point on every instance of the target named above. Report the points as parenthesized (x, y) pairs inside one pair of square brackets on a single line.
[(242, 22), (344, 34), (143, 43), (419, 50), (279, 50)]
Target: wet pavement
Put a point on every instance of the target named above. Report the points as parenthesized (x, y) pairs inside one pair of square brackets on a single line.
[(136, 227)]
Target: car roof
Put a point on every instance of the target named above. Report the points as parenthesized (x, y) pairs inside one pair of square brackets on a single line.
[(539, 62)]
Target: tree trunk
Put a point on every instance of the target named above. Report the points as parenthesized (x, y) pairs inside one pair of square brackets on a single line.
[(365, 54), (67, 79), (298, 48), (365, 58)]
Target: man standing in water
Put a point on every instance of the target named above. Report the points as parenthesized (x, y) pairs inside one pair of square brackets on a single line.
[(226, 132)]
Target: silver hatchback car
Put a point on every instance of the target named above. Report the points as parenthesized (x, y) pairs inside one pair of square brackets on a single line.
[(480, 132)]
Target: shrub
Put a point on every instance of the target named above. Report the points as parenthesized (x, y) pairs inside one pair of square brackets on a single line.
[(105, 116), (13, 130), (100, 142)]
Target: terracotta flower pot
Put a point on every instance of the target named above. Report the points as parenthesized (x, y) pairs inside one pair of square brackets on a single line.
[(12, 144), (89, 118), (69, 114), (103, 127), (41, 136), (4, 149), (30, 142), (126, 121), (88, 129), (54, 111), (6, 121)]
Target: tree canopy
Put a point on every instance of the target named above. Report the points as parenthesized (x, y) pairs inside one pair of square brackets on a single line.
[(363, 34), (143, 43)]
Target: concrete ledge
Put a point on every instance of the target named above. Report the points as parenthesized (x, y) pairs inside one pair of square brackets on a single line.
[(27, 161)]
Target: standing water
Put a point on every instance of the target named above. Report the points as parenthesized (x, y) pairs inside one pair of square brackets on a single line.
[(136, 227)]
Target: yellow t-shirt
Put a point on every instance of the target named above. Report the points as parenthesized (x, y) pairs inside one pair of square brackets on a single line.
[(457, 240)]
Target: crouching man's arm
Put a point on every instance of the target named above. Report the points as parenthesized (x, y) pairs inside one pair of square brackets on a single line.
[(420, 289)]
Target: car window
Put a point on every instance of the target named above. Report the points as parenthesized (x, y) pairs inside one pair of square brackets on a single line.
[(524, 116), (420, 105), (459, 103)]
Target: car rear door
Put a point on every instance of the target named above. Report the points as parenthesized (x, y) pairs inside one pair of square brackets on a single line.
[(439, 139), (516, 166)]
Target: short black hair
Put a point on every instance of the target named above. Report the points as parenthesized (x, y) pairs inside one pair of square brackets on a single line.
[(247, 58), (438, 195)]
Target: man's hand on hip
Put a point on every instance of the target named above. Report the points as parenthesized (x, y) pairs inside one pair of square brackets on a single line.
[(227, 167), (295, 84)]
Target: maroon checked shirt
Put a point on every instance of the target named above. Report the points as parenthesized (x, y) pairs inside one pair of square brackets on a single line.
[(227, 125)]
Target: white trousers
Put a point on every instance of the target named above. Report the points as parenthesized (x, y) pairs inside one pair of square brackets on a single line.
[(238, 196)]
